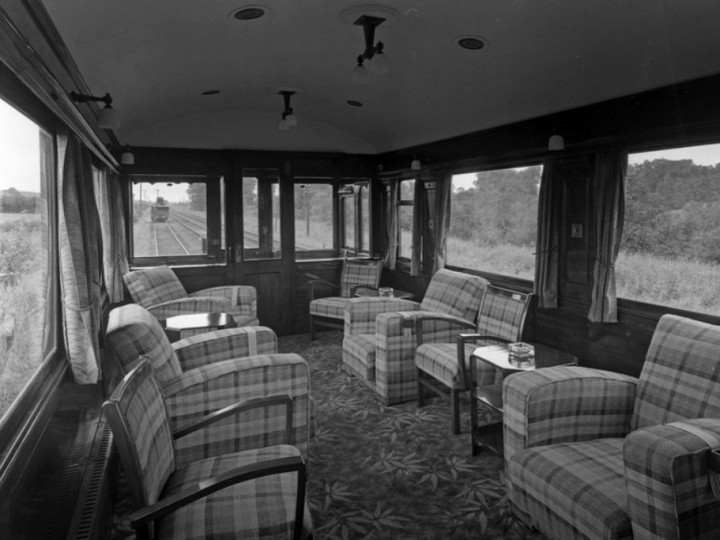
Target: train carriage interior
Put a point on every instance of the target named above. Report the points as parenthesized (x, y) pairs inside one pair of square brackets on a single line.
[(569, 151)]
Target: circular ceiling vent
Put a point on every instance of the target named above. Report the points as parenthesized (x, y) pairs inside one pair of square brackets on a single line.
[(250, 13), (472, 43)]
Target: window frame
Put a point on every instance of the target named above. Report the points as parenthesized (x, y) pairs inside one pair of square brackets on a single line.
[(334, 250), (25, 419), (216, 235)]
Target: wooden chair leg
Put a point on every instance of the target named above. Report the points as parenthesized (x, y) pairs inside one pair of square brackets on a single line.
[(420, 390), (455, 401)]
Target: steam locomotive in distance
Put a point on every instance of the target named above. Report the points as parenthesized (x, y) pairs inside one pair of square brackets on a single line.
[(159, 211)]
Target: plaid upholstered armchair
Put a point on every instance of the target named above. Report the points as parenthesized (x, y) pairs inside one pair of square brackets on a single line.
[(593, 454), (329, 311), (443, 367), (159, 291), (239, 494), (380, 342), (201, 374)]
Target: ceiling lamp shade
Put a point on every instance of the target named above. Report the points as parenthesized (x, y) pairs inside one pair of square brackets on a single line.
[(127, 157), (556, 143), (107, 117), (415, 164)]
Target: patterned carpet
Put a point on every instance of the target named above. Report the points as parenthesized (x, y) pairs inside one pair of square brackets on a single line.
[(393, 472)]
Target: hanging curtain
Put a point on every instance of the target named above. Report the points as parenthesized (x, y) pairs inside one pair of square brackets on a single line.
[(548, 238), (418, 227), (393, 194), (443, 192), (609, 199), (112, 222), (80, 263)]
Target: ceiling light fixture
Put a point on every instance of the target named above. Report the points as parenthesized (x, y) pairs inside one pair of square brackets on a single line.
[(416, 164), (373, 51), (107, 117), (556, 143), (288, 117), (472, 43), (127, 157)]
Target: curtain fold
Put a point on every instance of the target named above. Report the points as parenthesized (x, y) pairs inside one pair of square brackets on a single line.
[(609, 198), (393, 194), (418, 227), (80, 258), (112, 223), (548, 237), (443, 192)]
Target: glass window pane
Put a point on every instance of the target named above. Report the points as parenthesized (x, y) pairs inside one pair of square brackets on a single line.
[(170, 219), (365, 218), (493, 221), (348, 212), (405, 218), (26, 155), (670, 251), (313, 218), (261, 215)]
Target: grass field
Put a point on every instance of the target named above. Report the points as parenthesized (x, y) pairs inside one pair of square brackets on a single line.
[(682, 284)]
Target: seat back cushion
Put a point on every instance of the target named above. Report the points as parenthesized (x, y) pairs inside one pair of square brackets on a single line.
[(355, 273), (502, 313), (133, 332), (151, 286), (454, 293), (138, 419), (680, 378)]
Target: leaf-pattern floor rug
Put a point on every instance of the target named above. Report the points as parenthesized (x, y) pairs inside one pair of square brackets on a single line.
[(393, 472)]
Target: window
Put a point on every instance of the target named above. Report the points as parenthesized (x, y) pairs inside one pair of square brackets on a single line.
[(670, 250), (178, 220), (314, 220), (27, 255), (347, 213), (406, 203), (493, 221), (261, 214)]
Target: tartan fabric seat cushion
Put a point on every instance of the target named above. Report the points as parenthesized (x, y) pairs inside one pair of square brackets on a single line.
[(454, 293), (131, 332), (440, 361), (359, 356), (356, 273), (260, 508), (151, 286), (577, 490), (331, 306), (681, 374)]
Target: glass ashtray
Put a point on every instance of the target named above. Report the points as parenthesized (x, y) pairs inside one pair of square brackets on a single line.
[(521, 354)]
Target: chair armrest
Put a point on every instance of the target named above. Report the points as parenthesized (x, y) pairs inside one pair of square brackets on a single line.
[(242, 298), (163, 507), (184, 306), (316, 281), (211, 347), (247, 405), (420, 320), (201, 391), (668, 471), (564, 404), (360, 313)]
